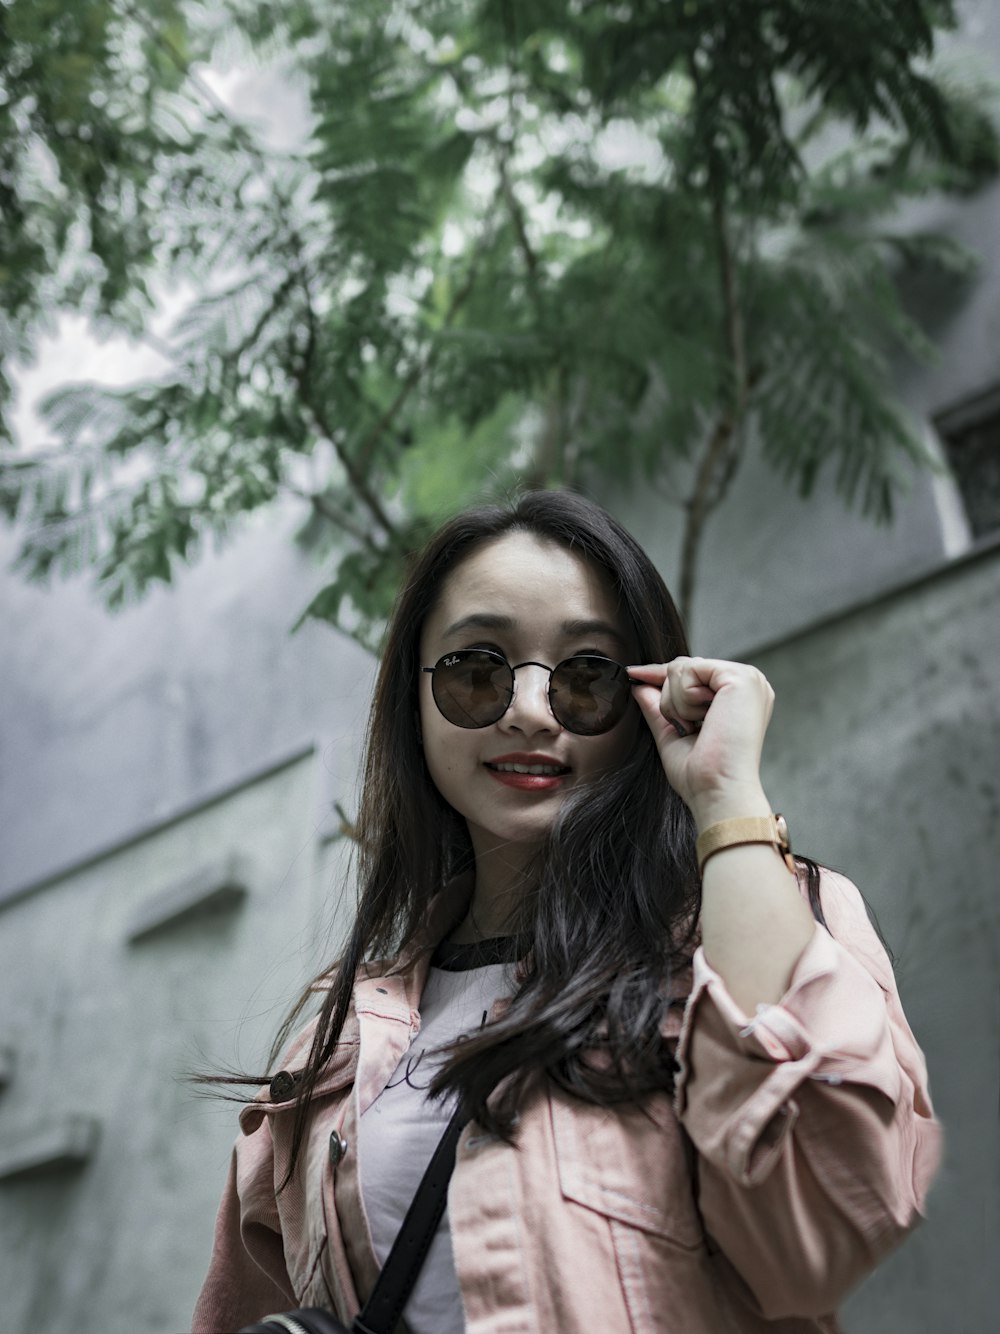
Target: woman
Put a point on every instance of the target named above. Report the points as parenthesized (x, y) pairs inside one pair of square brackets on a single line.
[(697, 1104)]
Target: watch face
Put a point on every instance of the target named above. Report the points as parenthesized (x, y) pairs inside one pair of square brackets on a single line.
[(782, 828)]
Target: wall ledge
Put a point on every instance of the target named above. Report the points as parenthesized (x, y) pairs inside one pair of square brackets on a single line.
[(984, 549), (14, 895), (216, 888), (56, 1148)]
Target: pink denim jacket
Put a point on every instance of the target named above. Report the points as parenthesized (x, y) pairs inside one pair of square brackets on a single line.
[(810, 1144)]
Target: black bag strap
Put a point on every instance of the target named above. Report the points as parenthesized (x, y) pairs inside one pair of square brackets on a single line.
[(382, 1310)]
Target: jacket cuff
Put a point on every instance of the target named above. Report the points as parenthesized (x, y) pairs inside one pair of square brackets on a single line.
[(739, 1076)]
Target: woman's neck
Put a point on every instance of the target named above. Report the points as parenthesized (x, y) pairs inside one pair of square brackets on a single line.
[(503, 873)]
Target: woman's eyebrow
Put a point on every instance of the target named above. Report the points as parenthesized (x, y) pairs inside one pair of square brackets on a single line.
[(574, 629), (485, 620), (481, 620)]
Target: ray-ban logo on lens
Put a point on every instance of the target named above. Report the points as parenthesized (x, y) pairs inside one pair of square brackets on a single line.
[(450, 662)]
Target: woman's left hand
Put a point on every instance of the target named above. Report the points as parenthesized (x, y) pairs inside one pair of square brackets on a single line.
[(708, 718)]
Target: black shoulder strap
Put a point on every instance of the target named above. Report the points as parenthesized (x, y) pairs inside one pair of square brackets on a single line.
[(384, 1307)]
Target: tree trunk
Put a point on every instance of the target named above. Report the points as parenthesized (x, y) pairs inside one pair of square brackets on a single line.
[(697, 508), (721, 454)]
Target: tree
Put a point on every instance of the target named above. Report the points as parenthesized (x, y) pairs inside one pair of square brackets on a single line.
[(82, 88), (529, 241)]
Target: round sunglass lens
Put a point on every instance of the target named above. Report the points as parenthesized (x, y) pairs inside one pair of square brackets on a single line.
[(472, 688), (589, 695)]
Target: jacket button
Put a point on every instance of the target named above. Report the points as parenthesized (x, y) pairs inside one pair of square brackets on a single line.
[(282, 1086), (338, 1147)]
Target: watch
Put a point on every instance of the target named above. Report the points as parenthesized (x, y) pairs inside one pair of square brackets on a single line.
[(747, 829)]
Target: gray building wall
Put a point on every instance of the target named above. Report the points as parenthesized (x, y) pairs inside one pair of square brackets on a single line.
[(883, 753), (111, 723), (110, 1166)]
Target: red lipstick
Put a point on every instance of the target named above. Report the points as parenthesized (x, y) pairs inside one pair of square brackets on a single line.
[(527, 772)]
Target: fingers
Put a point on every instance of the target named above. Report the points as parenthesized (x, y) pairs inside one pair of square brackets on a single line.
[(732, 699), (662, 723), (686, 689), (689, 686)]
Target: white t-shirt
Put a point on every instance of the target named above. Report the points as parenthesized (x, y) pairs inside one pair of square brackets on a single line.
[(398, 1133)]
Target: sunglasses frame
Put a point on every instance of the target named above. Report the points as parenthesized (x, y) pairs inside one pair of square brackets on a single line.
[(443, 661)]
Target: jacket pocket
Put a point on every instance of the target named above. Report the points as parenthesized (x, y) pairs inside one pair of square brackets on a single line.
[(628, 1163)]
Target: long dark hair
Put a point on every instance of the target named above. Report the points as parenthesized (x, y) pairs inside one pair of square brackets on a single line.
[(611, 919)]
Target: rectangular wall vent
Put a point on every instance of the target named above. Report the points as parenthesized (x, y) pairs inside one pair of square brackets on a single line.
[(220, 887), (42, 1150), (971, 435)]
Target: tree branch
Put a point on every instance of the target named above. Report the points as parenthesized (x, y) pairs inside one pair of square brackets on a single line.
[(550, 451), (516, 213), (722, 450), (550, 460), (698, 506), (370, 442), (327, 510), (357, 481), (355, 475), (732, 313)]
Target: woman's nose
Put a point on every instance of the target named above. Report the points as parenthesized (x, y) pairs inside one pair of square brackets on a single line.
[(529, 710)]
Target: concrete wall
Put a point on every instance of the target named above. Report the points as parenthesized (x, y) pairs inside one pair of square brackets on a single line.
[(111, 723), (186, 749), (110, 1167), (883, 753), (771, 562)]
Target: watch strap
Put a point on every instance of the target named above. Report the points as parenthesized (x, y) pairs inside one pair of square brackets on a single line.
[(745, 829)]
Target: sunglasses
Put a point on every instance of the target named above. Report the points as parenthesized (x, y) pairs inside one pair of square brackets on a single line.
[(473, 687)]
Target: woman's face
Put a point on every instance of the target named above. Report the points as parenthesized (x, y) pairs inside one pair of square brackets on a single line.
[(529, 600)]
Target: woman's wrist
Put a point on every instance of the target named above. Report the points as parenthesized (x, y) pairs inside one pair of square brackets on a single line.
[(729, 803)]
